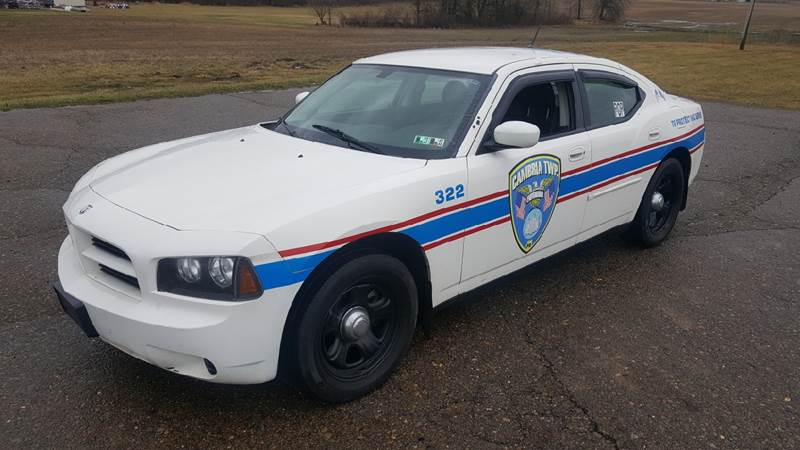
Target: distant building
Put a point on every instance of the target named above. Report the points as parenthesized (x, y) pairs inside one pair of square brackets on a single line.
[(72, 3)]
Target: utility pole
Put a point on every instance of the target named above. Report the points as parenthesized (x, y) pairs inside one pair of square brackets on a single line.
[(579, 9), (747, 24)]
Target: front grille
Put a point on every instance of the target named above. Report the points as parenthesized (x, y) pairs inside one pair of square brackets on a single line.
[(112, 264), (119, 275), (110, 248)]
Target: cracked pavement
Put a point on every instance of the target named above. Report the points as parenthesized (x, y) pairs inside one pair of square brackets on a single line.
[(694, 344)]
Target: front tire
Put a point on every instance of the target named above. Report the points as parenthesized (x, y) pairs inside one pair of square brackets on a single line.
[(355, 328), (660, 205)]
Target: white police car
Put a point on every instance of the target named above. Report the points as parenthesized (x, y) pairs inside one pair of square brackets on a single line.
[(312, 246)]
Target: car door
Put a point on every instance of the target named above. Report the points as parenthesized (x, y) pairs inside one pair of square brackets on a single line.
[(614, 121), (521, 208)]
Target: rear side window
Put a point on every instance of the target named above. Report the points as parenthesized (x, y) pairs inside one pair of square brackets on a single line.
[(610, 99)]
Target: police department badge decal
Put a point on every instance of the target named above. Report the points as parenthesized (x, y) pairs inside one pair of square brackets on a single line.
[(532, 193)]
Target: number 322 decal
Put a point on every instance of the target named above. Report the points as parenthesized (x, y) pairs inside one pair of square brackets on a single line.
[(449, 194)]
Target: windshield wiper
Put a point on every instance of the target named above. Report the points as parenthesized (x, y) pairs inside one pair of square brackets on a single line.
[(282, 121), (350, 140)]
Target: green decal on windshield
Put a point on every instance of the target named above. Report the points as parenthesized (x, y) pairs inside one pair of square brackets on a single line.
[(427, 140)]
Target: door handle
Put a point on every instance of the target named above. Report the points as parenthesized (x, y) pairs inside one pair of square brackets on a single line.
[(577, 154), (654, 134)]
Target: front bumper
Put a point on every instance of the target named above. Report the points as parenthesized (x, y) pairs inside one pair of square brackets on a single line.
[(177, 333), (76, 310)]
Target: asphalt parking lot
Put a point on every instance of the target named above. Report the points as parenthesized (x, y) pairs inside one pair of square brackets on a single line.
[(694, 344)]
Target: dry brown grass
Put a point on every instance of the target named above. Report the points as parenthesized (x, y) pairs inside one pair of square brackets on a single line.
[(764, 75), (52, 58), (767, 16)]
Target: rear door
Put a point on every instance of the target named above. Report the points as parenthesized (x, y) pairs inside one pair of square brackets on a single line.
[(520, 207), (614, 182)]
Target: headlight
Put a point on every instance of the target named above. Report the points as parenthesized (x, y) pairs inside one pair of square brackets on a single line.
[(230, 278), (189, 269), (221, 271)]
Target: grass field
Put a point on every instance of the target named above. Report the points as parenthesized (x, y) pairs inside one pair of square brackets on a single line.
[(55, 58), (767, 16)]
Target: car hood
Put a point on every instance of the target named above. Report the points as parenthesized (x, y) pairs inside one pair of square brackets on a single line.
[(248, 179)]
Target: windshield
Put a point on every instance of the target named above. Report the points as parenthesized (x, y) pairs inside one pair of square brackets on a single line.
[(399, 111)]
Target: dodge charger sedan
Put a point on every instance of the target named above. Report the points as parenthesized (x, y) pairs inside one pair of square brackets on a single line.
[(310, 248)]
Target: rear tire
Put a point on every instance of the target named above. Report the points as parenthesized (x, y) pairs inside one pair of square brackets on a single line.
[(660, 205), (355, 329)]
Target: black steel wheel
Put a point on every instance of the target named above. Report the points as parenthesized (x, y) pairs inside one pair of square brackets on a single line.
[(660, 204), (356, 328)]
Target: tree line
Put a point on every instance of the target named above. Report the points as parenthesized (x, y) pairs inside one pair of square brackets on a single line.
[(477, 13), (448, 13)]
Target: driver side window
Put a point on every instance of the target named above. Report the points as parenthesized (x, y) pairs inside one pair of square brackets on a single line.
[(550, 106)]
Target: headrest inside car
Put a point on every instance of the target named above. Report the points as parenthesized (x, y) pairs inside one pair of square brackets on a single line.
[(453, 91)]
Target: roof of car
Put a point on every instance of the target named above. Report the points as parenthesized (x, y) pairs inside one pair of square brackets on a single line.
[(484, 60)]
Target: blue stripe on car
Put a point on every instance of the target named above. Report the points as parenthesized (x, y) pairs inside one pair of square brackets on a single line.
[(294, 270)]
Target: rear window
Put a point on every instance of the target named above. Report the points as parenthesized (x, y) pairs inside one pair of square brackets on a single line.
[(610, 100)]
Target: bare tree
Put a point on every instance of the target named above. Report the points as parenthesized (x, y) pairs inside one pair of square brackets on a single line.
[(418, 6), (322, 8), (610, 10)]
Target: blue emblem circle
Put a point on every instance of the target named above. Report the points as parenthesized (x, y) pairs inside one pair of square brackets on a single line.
[(533, 221)]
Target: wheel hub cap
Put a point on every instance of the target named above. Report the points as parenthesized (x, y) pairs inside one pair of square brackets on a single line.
[(657, 202), (355, 323)]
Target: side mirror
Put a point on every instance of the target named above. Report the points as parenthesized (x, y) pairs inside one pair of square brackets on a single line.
[(299, 97), (515, 133)]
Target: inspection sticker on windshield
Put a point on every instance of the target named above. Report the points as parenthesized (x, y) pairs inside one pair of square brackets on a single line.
[(427, 140)]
